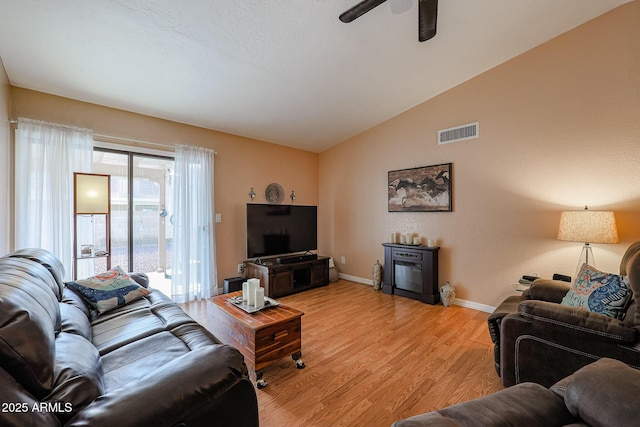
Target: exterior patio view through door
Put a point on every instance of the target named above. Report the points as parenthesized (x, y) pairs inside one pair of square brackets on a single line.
[(141, 212)]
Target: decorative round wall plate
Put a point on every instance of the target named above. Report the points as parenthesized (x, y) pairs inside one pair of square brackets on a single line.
[(274, 193)]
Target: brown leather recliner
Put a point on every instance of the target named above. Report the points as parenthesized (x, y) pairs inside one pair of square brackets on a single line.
[(539, 340)]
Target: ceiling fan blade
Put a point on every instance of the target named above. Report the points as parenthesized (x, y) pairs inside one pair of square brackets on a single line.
[(427, 19), (360, 9)]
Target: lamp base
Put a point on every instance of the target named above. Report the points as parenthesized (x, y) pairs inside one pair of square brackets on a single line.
[(586, 257)]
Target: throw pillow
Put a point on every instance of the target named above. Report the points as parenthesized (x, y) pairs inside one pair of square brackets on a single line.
[(599, 292), (109, 290)]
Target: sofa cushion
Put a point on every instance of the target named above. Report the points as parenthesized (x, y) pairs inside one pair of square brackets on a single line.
[(29, 318), (116, 331), (139, 359), (75, 321), (70, 297), (48, 261), (78, 378), (599, 292), (111, 289), (602, 394)]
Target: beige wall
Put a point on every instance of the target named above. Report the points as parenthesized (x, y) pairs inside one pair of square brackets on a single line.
[(559, 129), (5, 155), (240, 164)]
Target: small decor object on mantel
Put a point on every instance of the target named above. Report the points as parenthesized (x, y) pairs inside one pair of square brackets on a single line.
[(274, 193), (377, 275), (447, 294)]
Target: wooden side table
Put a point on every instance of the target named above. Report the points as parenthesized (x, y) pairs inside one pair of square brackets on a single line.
[(263, 337)]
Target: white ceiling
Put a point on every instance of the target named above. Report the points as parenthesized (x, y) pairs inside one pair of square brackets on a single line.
[(283, 71)]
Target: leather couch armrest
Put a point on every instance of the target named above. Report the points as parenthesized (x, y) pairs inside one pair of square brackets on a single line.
[(140, 278), (604, 393), (171, 395), (18, 405), (526, 404), (432, 419), (508, 306), (592, 326), (548, 290)]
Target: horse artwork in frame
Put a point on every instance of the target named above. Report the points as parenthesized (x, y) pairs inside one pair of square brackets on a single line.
[(421, 189)]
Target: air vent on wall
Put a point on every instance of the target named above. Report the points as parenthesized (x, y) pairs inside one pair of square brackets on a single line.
[(458, 133)]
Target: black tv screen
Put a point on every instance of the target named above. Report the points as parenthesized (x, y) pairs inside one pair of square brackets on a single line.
[(281, 229)]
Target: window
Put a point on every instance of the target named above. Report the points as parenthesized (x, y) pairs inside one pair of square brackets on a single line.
[(141, 209)]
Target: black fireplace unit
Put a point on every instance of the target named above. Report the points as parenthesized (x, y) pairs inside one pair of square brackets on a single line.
[(411, 271)]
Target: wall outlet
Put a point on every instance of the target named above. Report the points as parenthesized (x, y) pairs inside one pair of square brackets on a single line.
[(218, 217), (241, 268), (343, 260)]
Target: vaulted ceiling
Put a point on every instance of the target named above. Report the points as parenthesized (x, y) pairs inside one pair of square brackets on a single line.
[(283, 71)]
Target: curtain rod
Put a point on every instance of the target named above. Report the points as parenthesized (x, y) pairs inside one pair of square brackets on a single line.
[(138, 141), (129, 140)]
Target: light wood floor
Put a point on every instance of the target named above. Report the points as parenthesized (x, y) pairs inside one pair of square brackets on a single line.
[(374, 358)]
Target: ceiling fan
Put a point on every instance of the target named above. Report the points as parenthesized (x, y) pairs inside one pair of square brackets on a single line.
[(427, 15)]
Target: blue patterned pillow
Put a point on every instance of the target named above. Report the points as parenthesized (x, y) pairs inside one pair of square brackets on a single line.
[(599, 292), (109, 290)]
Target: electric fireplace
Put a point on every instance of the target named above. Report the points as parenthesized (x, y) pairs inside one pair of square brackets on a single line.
[(411, 271)]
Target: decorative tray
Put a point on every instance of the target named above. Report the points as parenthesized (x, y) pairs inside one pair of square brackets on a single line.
[(242, 304)]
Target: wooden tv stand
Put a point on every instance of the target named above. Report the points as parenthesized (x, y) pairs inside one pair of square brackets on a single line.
[(284, 279)]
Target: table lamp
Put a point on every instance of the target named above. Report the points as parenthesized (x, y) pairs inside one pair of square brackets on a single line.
[(588, 227)]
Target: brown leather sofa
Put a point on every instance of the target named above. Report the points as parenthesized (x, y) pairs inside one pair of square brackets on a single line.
[(146, 363), (538, 340), (603, 393)]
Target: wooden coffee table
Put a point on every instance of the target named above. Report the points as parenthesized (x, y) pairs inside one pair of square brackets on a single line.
[(263, 337)]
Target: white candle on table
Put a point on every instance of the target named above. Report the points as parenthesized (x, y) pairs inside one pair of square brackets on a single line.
[(245, 291), (259, 296), (251, 293)]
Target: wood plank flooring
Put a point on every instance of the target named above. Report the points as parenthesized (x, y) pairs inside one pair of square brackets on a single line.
[(373, 359)]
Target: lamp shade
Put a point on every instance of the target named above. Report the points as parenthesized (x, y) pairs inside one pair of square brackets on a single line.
[(588, 226), (91, 193)]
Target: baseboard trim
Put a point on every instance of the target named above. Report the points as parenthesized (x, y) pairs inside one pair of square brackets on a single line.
[(474, 305), (355, 279), (462, 303)]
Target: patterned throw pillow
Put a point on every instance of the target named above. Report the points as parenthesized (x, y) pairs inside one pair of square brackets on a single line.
[(599, 292), (109, 290)]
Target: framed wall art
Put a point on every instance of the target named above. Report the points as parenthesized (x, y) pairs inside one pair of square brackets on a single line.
[(421, 189)]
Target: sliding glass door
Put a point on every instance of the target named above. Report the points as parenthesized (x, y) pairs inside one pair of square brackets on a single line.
[(141, 209)]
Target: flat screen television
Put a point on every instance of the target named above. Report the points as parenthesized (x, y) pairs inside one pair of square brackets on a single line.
[(281, 229)]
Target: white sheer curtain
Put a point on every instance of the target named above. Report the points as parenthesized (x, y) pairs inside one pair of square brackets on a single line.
[(46, 155), (194, 249)]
